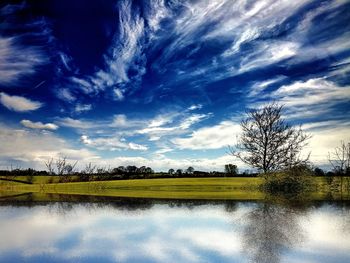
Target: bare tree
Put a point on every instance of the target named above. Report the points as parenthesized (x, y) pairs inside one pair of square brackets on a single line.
[(64, 169), (340, 158), (87, 173), (50, 166), (89, 168), (267, 142)]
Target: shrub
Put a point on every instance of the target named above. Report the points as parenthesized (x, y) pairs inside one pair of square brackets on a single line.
[(293, 180)]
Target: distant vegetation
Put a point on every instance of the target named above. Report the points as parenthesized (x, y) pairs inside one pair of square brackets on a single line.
[(93, 173)]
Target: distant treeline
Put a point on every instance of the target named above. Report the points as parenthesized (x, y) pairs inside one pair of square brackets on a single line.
[(91, 173)]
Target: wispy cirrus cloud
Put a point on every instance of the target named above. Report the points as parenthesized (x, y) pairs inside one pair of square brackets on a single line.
[(18, 59), (80, 108), (125, 53), (66, 94), (313, 96), (39, 125), (239, 37), (76, 124), (249, 37), (19, 103), (259, 86)]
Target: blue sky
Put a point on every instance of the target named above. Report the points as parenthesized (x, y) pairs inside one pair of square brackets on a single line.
[(165, 83)]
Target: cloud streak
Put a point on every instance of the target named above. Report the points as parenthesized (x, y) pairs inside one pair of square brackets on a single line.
[(18, 103), (18, 60), (215, 137), (39, 125), (111, 144)]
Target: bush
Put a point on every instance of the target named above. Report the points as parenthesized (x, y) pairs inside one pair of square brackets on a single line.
[(294, 180)]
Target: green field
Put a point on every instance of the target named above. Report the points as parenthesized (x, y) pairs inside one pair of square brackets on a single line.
[(240, 188)]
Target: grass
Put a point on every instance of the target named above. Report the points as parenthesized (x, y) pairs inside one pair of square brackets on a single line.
[(239, 188)]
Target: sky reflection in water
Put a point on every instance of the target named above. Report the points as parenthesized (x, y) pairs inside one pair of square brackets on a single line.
[(163, 232)]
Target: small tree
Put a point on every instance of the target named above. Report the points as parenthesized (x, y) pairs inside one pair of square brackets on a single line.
[(340, 158), (190, 170), (179, 171), (231, 169), (171, 171), (50, 166), (87, 173), (149, 170), (267, 142), (64, 169), (319, 172)]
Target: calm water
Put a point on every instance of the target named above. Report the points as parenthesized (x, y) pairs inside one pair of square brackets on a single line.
[(177, 231)]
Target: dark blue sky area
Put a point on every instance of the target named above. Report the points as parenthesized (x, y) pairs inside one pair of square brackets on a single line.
[(157, 80)]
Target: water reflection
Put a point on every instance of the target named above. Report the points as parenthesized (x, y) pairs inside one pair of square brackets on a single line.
[(77, 229), (269, 231)]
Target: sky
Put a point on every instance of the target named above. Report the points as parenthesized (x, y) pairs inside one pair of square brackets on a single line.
[(166, 83)]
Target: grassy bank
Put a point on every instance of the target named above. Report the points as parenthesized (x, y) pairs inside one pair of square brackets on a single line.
[(240, 188)]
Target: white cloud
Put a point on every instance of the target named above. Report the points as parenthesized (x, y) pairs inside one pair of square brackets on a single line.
[(325, 137), (111, 144), (164, 150), (161, 120), (195, 107), (119, 96), (33, 148), (214, 137), (19, 104), (122, 122), (78, 124), (195, 118), (39, 125), (303, 97), (79, 108), (65, 60), (83, 84), (135, 146), (66, 95), (258, 87), (125, 52), (158, 128), (269, 53)]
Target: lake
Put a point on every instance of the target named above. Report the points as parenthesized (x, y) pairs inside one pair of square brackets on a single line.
[(145, 230)]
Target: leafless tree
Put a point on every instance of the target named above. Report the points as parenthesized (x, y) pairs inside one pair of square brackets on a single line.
[(267, 142), (340, 158), (50, 166), (89, 168), (65, 169), (88, 172)]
